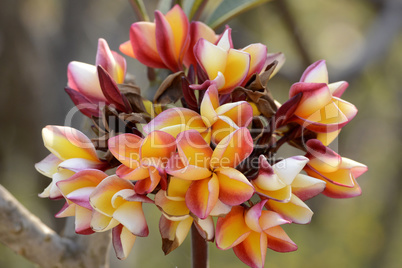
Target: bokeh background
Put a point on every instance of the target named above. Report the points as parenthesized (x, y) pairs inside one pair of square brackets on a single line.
[(361, 41)]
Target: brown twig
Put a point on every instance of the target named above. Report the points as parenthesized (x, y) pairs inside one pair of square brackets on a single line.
[(199, 249)]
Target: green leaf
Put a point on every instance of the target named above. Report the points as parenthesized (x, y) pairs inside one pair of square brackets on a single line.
[(191, 7), (229, 9), (140, 10)]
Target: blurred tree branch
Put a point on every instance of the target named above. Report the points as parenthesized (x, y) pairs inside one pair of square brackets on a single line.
[(25, 234)]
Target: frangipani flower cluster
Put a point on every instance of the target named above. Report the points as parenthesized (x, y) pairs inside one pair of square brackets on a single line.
[(207, 158)]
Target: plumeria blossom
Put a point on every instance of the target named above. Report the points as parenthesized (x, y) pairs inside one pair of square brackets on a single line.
[(250, 231), (143, 159), (162, 43), (318, 106), (71, 151), (76, 190), (340, 173), (84, 87), (286, 188), (214, 121), (212, 171), (119, 208), (227, 67)]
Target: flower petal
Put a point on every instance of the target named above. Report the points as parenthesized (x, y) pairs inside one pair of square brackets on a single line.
[(240, 112), (173, 232), (258, 57), (289, 168), (233, 149), (83, 220), (295, 210), (101, 197), (143, 42), (316, 73), (176, 120), (130, 214), (123, 241), (237, 66), (206, 228), (83, 78), (112, 62), (202, 196), (171, 208), (232, 229), (159, 146), (209, 103), (211, 58), (252, 250), (127, 49), (279, 241), (125, 148), (48, 166), (67, 142), (234, 187), (322, 158), (198, 30), (193, 149), (306, 187)]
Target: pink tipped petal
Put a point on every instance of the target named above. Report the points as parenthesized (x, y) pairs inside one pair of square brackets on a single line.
[(143, 42), (193, 149), (346, 108), (136, 174), (176, 120), (356, 168), (337, 191), (173, 233), (270, 219), (232, 229), (125, 148), (80, 197), (130, 214), (237, 66), (165, 42), (212, 58), (327, 137), (101, 222), (101, 197), (279, 241), (315, 96), (83, 221), (288, 168), (127, 49), (295, 210), (111, 91), (240, 112), (198, 30), (178, 169), (68, 210), (225, 40), (338, 88), (222, 128), (48, 166), (159, 145), (112, 62), (258, 57), (316, 73), (208, 105), (83, 78), (252, 216), (123, 241), (202, 196), (149, 184), (79, 164), (171, 207), (220, 209), (252, 250), (234, 188), (52, 191), (233, 149), (322, 158), (66, 143), (306, 187), (267, 179)]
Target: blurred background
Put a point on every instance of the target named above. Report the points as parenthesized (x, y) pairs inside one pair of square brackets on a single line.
[(361, 41)]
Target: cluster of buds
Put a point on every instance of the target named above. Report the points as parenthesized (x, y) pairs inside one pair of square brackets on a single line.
[(204, 148)]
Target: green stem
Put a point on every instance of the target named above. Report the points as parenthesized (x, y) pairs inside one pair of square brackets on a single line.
[(139, 9), (199, 249)]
